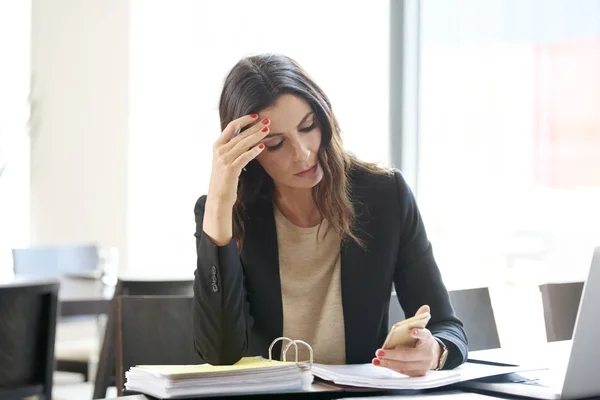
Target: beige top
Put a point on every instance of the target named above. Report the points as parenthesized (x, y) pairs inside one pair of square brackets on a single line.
[(311, 290)]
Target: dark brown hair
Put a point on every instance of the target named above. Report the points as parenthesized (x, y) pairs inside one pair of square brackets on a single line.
[(255, 83)]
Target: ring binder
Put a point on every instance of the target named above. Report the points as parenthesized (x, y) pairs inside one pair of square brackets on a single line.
[(287, 347)]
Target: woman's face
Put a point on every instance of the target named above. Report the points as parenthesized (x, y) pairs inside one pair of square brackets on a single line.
[(292, 145)]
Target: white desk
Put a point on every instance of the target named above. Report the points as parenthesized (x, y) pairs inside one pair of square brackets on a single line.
[(541, 356), (452, 395)]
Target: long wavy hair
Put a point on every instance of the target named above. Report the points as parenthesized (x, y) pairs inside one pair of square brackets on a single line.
[(255, 83)]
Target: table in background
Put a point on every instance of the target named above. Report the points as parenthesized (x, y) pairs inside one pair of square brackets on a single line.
[(83, 296)]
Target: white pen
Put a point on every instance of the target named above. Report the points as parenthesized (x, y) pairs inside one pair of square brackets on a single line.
[(236, 132)]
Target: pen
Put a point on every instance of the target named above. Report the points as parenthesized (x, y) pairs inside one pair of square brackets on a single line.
[(236, 132)]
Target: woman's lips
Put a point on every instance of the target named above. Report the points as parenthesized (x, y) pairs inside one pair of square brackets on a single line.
[(307, 173)]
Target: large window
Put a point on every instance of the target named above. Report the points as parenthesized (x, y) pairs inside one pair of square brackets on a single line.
[(509, 141), (509, 138)]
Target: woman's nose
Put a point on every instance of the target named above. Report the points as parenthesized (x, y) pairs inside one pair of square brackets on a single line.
[(301, 152)]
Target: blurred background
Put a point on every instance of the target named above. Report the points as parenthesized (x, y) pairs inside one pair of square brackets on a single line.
[(491, 108)]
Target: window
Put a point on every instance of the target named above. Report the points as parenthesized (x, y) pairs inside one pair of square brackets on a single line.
[(510, 135), (509, 139)]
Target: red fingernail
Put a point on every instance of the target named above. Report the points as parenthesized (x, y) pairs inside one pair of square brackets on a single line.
[(261, 146), (254, 115), (376, 362), (380, 353), (266, 128), (265, 121)]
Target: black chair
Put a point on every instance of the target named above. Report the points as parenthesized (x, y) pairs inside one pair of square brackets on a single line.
[(153, 330), (561, 303), (105, 376), (474, 308), (27, 333)]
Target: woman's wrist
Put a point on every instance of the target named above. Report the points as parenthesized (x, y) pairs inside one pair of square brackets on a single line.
[(217, 224), (437, 353)]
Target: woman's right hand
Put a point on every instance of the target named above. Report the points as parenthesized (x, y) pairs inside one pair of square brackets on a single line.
[(230, 156)]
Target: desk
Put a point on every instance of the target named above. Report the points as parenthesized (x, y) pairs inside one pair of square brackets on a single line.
[(439, 395), (80, 296), (77, 296), (534, 357), (553, 355), (543, 355)]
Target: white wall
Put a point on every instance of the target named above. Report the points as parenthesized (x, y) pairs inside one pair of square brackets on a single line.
[(181, 51), (127, 95), (79, 144), (15, 37)]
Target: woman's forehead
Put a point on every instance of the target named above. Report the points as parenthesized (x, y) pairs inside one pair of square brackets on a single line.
[(287, 112)]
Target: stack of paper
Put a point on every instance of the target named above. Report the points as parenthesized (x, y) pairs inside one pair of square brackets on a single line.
[(368, 375), (249, 375)]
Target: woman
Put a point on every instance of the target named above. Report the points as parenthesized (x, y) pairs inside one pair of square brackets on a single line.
[(298, 238)]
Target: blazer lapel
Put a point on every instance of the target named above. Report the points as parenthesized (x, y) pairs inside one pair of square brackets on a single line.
[(260, 255), (356, 270)]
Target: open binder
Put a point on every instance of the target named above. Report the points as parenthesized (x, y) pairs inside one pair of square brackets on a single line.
[(256, 375)]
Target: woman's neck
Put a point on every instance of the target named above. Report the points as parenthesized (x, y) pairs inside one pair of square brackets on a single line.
[(298, 206)]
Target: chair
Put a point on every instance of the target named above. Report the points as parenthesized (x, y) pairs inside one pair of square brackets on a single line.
[(561, 304), (73, 350), (474, 308), (125, 287), (153, 330), (27, 333), (57, 261)]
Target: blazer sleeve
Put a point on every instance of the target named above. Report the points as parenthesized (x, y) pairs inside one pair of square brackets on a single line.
[(221, 317), (418, 280)]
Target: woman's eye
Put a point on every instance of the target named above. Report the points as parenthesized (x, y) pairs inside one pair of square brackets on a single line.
[(275, 146), (309, 128)]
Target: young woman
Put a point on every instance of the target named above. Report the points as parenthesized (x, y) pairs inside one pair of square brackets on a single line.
[(298, 238)]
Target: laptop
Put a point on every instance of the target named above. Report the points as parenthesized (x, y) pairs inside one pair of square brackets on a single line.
[(577, 374)]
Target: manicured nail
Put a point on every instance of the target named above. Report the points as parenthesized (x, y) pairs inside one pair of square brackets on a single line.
[(415, 333), (254, 115), (261, 146), (265, 121), (380, 353), (376, 362), (265, 129)]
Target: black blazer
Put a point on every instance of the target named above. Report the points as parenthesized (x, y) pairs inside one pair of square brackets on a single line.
[(238, 308)]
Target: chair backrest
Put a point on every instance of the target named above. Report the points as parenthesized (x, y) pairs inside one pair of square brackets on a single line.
[(561, 303), (130, 287), (135, 287), (56, 261), (153, 330), (474, 308), (27, 333)]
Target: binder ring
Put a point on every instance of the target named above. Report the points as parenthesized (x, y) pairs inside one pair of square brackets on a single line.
[(310, 350), (282, 338), (287, 347)]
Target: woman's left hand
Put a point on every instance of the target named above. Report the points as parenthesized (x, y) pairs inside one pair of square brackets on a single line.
[(412, 361)]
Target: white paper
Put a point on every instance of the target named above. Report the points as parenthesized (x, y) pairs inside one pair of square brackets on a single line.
[(368, 375), (470, 371)]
